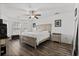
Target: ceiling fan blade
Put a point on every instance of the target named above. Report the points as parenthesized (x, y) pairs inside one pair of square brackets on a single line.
[(36, 17)]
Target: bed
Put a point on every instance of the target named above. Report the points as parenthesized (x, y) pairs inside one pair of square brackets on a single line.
[(36, 37)]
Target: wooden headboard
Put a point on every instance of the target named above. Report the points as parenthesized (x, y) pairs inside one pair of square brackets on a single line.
[(43, 27)]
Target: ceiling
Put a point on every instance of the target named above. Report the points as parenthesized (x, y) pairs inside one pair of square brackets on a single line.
[(18, 9), (39, 6)]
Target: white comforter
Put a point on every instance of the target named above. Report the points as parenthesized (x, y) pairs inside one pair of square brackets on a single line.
[(39, 35)]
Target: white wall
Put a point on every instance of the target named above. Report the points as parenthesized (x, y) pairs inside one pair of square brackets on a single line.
[(9, 16), (0, 11), (67, 25)]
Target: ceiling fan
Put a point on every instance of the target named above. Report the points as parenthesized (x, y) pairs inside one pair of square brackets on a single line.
[(33, 14), (30, 13)]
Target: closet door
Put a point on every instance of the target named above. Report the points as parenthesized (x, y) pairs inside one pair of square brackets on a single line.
[(76, 44), (76, 30), (75, 40)]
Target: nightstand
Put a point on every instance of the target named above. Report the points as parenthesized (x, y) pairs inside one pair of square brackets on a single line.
[(56, 37)]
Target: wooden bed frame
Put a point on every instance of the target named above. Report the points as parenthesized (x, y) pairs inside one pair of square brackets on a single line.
[(31, 40)]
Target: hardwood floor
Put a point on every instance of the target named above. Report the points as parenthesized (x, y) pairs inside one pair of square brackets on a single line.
[(48, 48)]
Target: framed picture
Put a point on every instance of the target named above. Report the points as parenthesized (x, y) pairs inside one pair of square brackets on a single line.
[(58, 23)]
